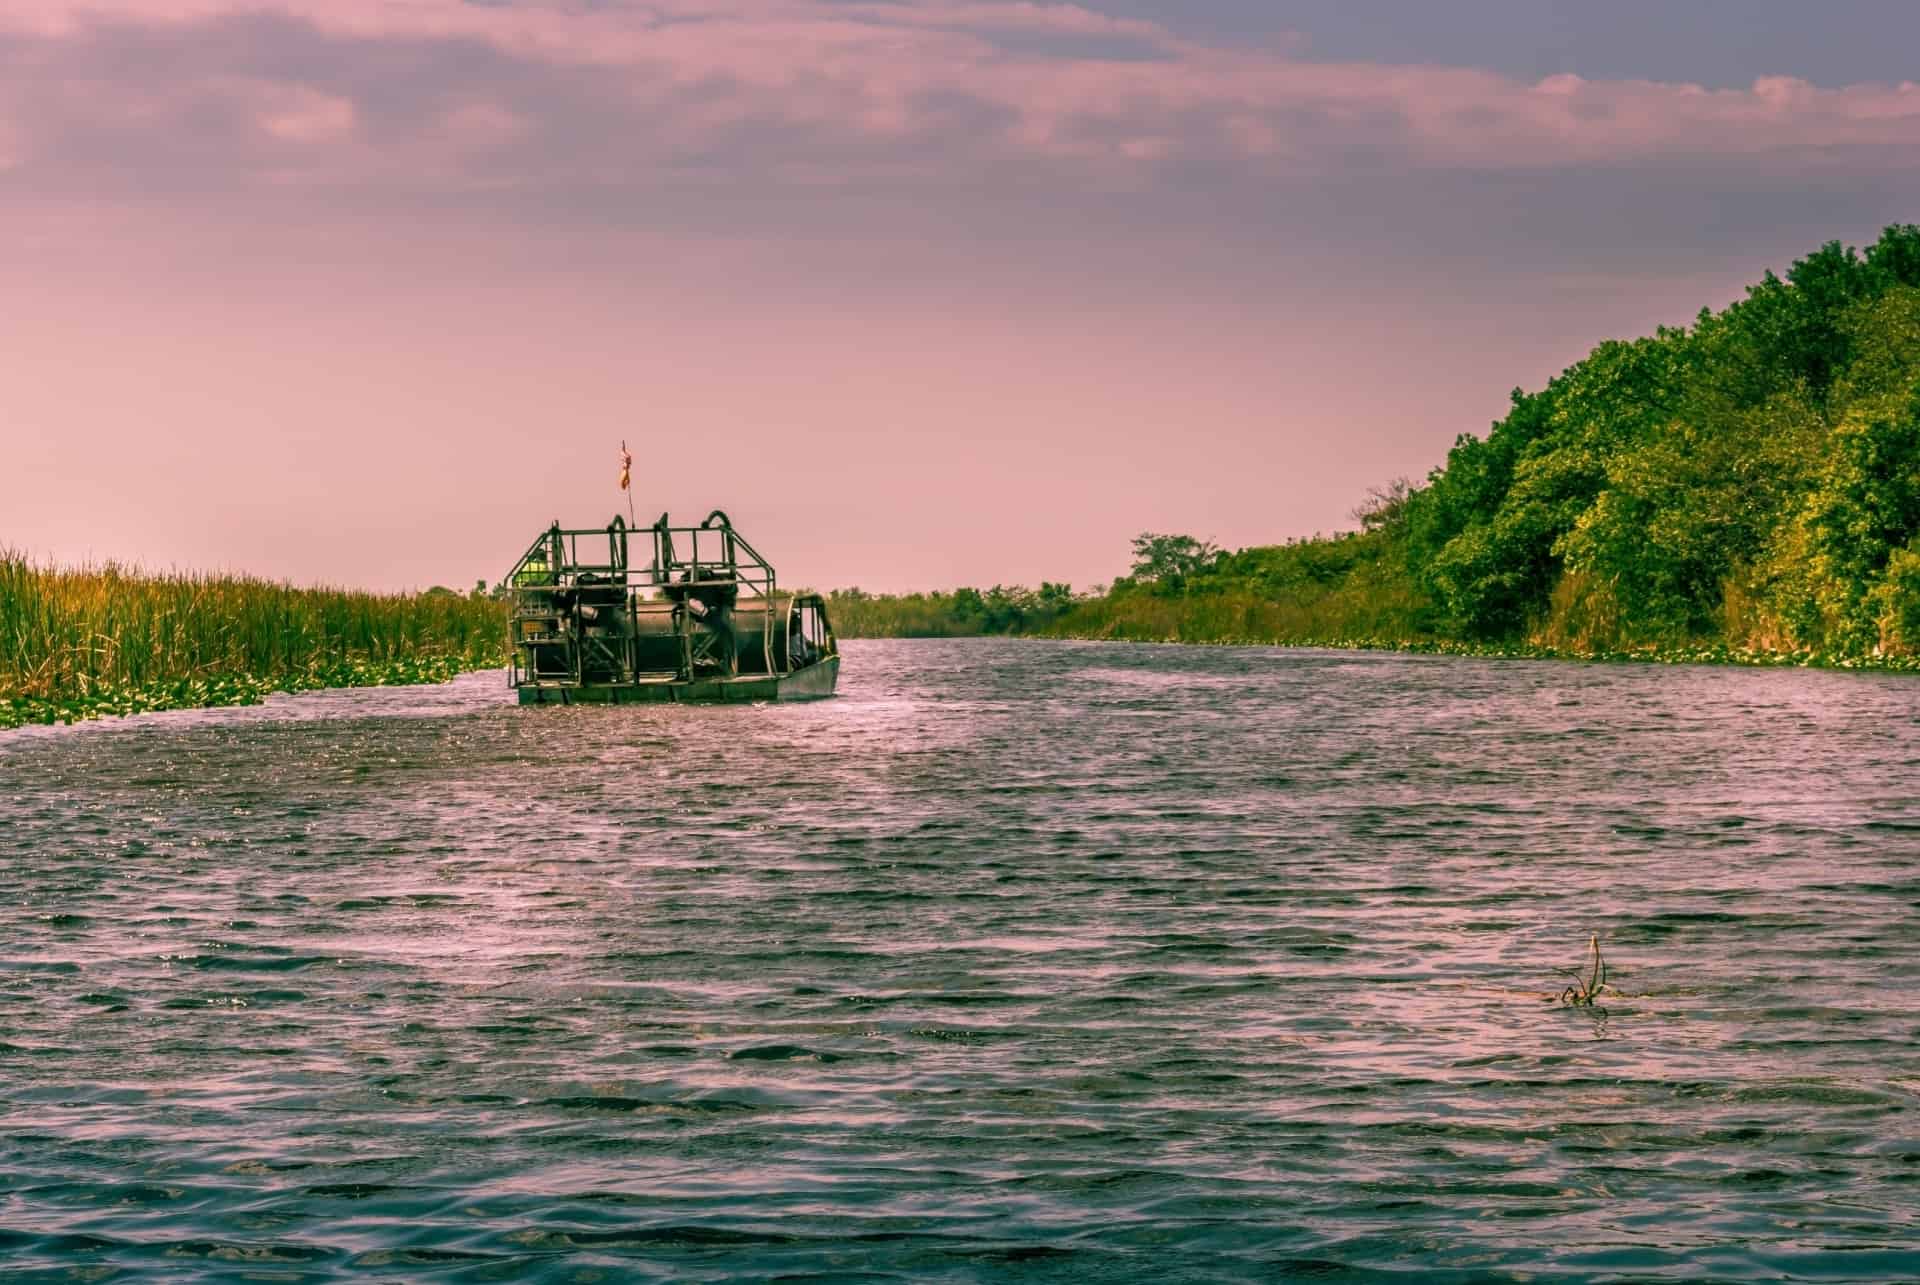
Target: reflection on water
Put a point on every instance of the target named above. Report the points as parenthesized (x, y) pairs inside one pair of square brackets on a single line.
[(1036, 961)]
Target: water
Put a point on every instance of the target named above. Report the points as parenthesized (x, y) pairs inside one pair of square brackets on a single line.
[(1017, 961)]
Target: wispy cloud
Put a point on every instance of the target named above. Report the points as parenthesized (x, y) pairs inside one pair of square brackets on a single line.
[(173, 94)]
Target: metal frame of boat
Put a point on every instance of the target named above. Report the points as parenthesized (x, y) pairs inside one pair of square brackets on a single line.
[(711, 625)]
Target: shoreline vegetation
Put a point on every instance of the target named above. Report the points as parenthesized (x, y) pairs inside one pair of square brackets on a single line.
[(78, 644), (1744, 490)]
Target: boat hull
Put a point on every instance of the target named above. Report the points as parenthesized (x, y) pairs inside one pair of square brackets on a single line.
[(815, 682)]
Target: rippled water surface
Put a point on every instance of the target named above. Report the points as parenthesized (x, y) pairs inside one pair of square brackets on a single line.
[(1016, 961)]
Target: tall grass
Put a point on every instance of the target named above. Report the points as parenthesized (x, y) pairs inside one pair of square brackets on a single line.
[(909, 615), (1583, 615), (1307, 615), (67, 634)]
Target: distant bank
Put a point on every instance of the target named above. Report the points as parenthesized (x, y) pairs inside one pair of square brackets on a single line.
[(1743, 489)]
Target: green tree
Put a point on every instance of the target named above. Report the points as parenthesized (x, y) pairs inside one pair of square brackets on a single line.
[(1694, 505), (1385, 508), (1537, 474), (1865, 505), (1168, 560), (1897, 599)]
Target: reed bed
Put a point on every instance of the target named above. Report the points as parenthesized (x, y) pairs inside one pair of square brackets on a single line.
[(914, 615), (1308, 616), (108, 639)]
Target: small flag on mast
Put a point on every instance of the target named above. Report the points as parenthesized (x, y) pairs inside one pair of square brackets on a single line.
[(626, 467)]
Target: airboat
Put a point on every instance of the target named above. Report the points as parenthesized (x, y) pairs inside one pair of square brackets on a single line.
[(703, 619)]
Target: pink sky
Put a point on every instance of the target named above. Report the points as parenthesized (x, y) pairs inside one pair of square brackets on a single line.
[(922, 294)]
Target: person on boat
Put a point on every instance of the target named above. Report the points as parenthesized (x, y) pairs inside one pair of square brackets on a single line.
[(800, 652)]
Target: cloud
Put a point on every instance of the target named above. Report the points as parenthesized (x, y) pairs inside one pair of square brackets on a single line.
[(445, 95), (297, 114)]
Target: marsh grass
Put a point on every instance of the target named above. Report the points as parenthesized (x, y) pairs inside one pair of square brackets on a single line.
[(1309, 616), (75, 643), (1583, 615), (908, 615)]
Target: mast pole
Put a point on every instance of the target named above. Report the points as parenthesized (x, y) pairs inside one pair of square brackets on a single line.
[(626, 480)]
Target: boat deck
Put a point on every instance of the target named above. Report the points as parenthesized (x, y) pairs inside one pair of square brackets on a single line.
[(811, 683)]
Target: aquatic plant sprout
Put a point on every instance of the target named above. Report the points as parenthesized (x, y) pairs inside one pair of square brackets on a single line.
[(1581, 992)]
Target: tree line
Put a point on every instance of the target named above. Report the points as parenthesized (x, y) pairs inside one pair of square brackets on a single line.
[(966, 612), (1750, 481)]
